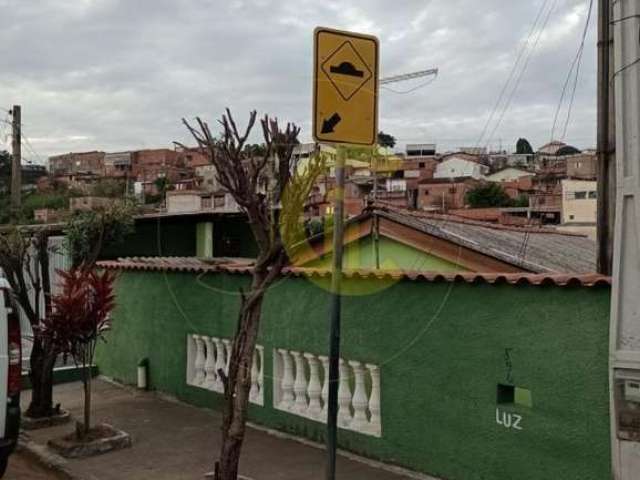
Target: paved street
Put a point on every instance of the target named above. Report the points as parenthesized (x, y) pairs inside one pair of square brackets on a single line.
[(23, 468), (173, 441)]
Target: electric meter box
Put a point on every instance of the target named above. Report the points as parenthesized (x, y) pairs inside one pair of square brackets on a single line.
[(632, 391)]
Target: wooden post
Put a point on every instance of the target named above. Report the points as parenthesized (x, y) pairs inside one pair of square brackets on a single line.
[(606, 141), (16, 158)]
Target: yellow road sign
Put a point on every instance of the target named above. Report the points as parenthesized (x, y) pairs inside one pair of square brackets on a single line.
[(345, 90)]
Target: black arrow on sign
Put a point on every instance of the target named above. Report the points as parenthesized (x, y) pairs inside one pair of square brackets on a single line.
[(329, 124)]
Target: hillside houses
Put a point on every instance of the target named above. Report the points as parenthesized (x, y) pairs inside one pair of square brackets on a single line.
[(418, 178)]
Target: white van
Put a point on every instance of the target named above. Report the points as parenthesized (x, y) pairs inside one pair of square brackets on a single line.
[(10, 375)]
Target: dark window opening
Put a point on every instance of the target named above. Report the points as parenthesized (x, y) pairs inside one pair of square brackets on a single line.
[(506, 394), (512, 395)]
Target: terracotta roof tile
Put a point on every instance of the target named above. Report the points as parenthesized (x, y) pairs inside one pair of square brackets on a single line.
[(244, 266)]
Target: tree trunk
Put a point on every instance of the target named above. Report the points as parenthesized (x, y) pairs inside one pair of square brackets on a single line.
[(238, 385), (86, 379), (41, 375), (42, 360)]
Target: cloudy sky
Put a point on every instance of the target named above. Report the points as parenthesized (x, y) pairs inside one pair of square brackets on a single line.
[(116, 74)]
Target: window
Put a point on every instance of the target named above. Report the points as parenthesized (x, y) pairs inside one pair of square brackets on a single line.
[(452, 190), (593, 194), (572, 217), (512, 395), (421, 165), (581, 195), (426, 192)]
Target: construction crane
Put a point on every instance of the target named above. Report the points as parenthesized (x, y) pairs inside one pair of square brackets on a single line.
[(408, 76)]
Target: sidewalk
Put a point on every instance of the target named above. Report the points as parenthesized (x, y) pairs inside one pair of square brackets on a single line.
[(173, 441)]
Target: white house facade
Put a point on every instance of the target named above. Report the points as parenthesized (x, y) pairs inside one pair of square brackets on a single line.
[(458, 167), (508, 175)]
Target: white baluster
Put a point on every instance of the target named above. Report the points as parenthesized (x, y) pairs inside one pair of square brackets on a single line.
[(375, 424), (360, 402), (300, 384), (209, 364), (344, 396), (227, 348), (221, 361), (286, 384), (191, 359), (261, 375), (315, 388), (199, 362), (325, 387), (255, 388)]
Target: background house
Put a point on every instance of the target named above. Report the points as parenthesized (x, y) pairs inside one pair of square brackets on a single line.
[(460, 165), (508, 175), (387, 238), (442, 195), (579, 206)]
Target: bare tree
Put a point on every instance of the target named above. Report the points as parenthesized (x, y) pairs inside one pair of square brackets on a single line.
[(271, 189), (24, 259)]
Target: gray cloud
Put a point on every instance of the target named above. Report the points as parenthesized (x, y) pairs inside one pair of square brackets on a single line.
[(115, 74)]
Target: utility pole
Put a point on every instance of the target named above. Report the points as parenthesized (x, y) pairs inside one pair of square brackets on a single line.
[(16, 157), (606, 141), (624, 337)]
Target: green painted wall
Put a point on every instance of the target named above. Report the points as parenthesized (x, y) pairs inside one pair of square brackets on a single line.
[(393, 256), (441, 348)]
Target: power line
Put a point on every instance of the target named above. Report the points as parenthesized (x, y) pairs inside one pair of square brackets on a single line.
[(575, 65), (522, 71), (524, 47), (32, 150), (5, 125)]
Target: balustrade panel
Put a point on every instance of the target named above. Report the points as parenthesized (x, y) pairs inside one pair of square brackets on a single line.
[(301, 386), (208, 356)]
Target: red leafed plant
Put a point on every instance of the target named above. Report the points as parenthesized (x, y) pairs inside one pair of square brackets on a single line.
[(79, 317)]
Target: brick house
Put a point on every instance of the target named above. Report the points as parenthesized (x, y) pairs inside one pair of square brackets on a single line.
[(70, 164), (582, 166), (438, 194), (149, 165), (118, 164)]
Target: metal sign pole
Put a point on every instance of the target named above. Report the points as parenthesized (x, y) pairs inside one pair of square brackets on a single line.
[(335, 311), (345, 112)]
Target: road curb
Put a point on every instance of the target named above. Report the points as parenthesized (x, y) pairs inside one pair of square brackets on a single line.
[(45, 457)]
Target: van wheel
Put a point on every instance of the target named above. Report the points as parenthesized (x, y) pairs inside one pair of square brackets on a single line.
[(3, 465)]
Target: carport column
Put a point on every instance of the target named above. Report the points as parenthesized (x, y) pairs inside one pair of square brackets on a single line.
[(204, 240)]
